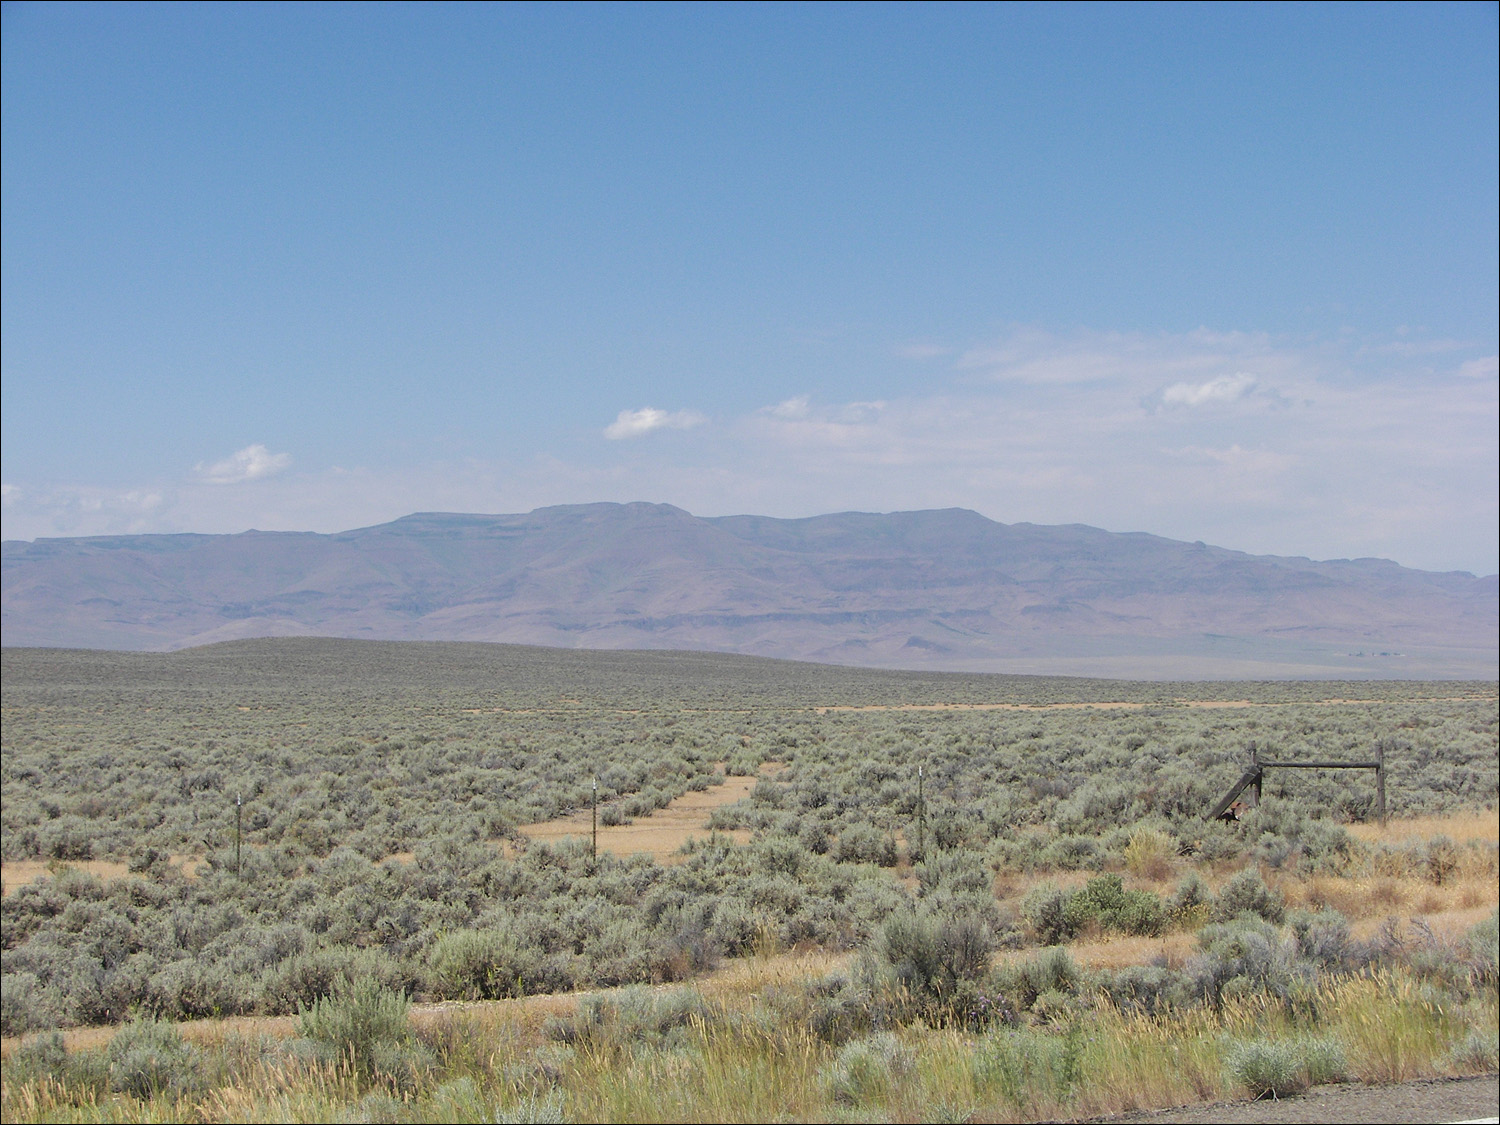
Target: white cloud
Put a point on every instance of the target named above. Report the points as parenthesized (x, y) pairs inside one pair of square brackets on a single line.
[(1366, 452), (1237, 457), (251, 463), (51, 510), (1224, 388), (635, 423), (790, 408), (1487, 367), (1027, 356)]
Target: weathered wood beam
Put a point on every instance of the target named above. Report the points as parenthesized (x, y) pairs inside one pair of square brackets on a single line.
[(1322, 765), (1251, 776)]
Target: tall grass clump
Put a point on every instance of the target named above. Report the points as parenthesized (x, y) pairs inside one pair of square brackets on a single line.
[(1149, 854)]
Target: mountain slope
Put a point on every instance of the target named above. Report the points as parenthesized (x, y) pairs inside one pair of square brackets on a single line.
[(936, 589)]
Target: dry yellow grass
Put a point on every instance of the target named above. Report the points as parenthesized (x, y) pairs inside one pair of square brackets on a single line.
[(1381, 896), (740, 979), (661, 835), (1459, 827), (1447, 924), (1119, 951)]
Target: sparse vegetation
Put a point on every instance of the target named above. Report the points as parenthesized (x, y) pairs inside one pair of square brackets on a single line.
[(379, 863)]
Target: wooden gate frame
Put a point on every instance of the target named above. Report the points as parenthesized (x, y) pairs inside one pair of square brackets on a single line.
[(1255, 776)]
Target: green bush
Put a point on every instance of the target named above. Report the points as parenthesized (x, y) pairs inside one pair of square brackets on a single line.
[(931, 956), (1147, 989), (958, 872), (1241, 956), (377, 1108), (1266, 1069), (1483, 942), (1246, 892), (305, 978), (1072, 853), (1323, 938), (640, 1014), (38, 1057), (403, 1066), (1275, 1068), (186, 990), (1477, 1052), (25, 1004), (355, 1020), (859, 843), (148, 1057), (458, 1100), (485, 964), (1324, 1059), (1141, 913), (1104, 902), (1051, 971), (1191, 903), (1045, 910), (1023, 1066), (1055, 915), (835, 1010)]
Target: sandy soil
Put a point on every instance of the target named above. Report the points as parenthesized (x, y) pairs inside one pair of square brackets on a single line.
[(662, 834), (17, 873)]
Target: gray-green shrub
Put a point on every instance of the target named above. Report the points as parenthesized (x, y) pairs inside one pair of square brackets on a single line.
[(148, 1057), (1266, 1069), (865, 1070), (355, 1021), (1246, 892)]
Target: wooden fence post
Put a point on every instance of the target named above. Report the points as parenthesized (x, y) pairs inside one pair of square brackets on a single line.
[(921, 816), (1380, 782)]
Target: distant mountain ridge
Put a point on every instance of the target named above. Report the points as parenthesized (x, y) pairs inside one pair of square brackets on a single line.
[(945, 589)]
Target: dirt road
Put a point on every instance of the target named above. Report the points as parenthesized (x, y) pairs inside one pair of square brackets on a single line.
[(1432, 1100)]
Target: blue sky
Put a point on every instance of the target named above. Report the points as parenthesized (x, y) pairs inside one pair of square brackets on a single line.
[(1223, 273)]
